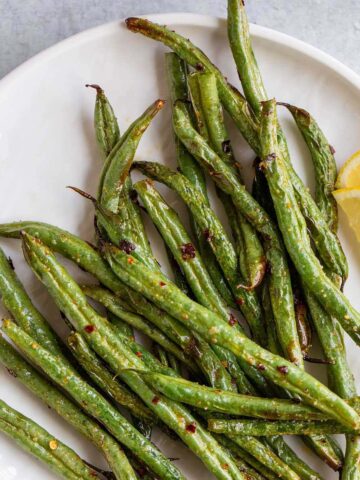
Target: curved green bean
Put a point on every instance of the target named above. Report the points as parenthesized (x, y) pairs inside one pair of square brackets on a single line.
[(18, 303), (120, 158), (44, 446), (105, 123), (54, 399), (240, 43), (322, 154)]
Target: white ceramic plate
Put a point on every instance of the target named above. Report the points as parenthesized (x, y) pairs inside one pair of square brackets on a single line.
[(47, 142)]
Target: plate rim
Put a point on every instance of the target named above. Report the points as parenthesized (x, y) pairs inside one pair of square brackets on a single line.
[(179, 18)]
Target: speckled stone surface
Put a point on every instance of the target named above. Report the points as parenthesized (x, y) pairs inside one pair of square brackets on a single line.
[(29, 26)]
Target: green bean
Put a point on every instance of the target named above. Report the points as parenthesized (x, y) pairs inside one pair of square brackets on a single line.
[(92, 402), (115, 305), (234, 103), (106, 126), (216, 400), (18, 303), (266, 428), (322, 154), (294, 230), (177, 79), (44, 446), (240, 43), (212, 328), (105, 380), (103, 339), (340, 377), (228, 181), (288, 456), (120, 158), (53, 398), (302, 319), (273, 344), (218, 138)]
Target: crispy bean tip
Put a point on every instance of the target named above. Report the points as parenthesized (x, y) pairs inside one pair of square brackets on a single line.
[(95, 86), (131, 22), (82, 193)]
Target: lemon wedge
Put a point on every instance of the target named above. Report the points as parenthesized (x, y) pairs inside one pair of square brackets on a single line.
[(349, 201), (349, 174)]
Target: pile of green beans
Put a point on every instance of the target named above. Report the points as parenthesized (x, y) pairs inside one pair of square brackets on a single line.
[(229, 392)]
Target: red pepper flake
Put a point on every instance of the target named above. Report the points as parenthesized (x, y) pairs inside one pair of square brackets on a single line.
[(162, 284), (191, 427), (208, 235), (155, 400), (126, 246), (232, 320), (261, 367), (130, 260), (239, 301), (138, 354), (283, 369), (225, 466), (187, 251), (90, 328)]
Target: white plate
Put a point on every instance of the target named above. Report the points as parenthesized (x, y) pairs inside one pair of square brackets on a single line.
[(47, 142)]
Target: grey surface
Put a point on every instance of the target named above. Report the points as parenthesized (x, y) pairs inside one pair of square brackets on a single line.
[(29, 26)]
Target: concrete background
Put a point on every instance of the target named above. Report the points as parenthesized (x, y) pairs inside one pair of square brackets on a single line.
[(29, 26)]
